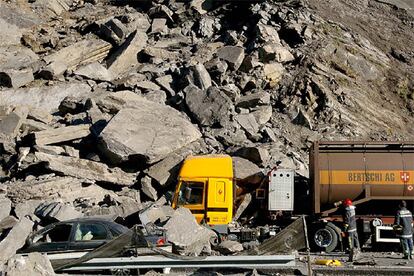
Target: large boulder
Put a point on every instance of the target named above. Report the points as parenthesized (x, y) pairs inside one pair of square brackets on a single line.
[(47, 98), (149, 131), (209, 107), (187, 236), (34, 264), (15, 239)]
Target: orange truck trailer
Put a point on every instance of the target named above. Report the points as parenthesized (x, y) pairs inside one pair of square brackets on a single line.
[(374, 175)]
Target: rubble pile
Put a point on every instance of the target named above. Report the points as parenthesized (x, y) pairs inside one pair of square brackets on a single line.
[(100, 101)]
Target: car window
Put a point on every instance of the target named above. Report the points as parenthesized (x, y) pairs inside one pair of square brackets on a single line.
[(90, 231), (191, 193), (58, 233)]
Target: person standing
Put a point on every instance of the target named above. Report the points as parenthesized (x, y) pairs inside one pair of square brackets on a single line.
[(350, 228), (404, 220)]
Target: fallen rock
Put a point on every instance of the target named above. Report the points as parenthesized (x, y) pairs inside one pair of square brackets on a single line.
[(126, 56), (201, 6), (165, 170), (61, 134), (86, 169), (257, 155), (159, 25), (166, 83), (57, 211), (254, 99), (248, 123), (113, 31), (268, 34), (26, 208), (94, 71), (234, 56), (148, 189), (34, 264), (153, 132), (47, 98), (275, 52), (244, 169), (186, 235), (63, 189), (155, 213), (209, 107), (16, 66), (40, 115), (273, 72), (15, 239), (229, 247), (5, 207), (201, 77), (82, 52), (262, 114), (11, 124), (8, 223)]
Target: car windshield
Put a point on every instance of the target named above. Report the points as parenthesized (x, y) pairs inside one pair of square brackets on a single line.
[(191, 193), (58, 233), (89, 231)]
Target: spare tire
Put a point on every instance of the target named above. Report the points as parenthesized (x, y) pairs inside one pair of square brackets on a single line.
[(324, 238)]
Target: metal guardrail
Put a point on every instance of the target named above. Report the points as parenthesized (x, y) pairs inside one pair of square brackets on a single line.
[(269, 261)]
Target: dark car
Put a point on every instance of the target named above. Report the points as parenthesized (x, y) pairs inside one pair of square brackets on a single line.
[(73, 238)]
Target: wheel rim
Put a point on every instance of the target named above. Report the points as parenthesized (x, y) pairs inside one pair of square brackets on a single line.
[(323, 238), (121, 271)]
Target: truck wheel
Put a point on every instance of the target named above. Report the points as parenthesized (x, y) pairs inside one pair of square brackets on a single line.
[(325, 238)]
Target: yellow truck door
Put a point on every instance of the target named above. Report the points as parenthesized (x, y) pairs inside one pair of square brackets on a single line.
[(219, 201)]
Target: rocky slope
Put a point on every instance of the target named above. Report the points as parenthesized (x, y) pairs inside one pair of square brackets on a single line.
[(100, 101)]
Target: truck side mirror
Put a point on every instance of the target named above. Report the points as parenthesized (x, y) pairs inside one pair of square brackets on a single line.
[(187, 194)]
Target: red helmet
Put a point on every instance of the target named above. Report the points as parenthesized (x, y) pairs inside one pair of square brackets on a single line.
[(347, 202)]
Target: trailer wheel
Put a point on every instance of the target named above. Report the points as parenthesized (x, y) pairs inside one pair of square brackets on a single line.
[(325, 238)]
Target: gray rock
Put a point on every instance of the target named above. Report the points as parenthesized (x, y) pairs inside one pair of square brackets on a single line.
[(56, 150), (259, 156), (201, 6), (159, 25), (165, 170), (248, 123), (242, 206), (217, 68), (187, 236), (82, 52), (234, 56), (229, 247), (40, 115), (8, 223), (147, 85), (209, 107), (254, 99), (53, 70), (57, 211), (47, 98), (62, 134), (113, 31), (15, 239), (34, 264), (94, 71), (147, 189), (136, 21), (16, 78), (126, 56), (201, 77), (206, 26), (26, 208), (5, 207), (273, 73), (63, 189), (156, 96), (275, 52), (262, 114), (268, 33), (86, 169), (11, 124), (166, 83), (155, 213), (153, 132), (245, 170)]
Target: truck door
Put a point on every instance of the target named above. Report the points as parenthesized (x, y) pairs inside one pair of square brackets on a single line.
[(191, 195), (281, 186), (219, 201)]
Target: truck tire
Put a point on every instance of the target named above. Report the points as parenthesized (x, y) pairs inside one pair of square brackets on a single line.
[(324, 238)]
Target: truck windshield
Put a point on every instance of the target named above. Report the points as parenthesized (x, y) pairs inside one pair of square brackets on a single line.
[(191, 193)]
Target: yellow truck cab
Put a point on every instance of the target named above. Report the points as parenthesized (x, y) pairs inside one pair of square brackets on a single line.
[(205, 186)]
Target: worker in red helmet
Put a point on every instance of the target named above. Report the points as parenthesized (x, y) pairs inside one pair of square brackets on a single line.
[(350, 228)]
